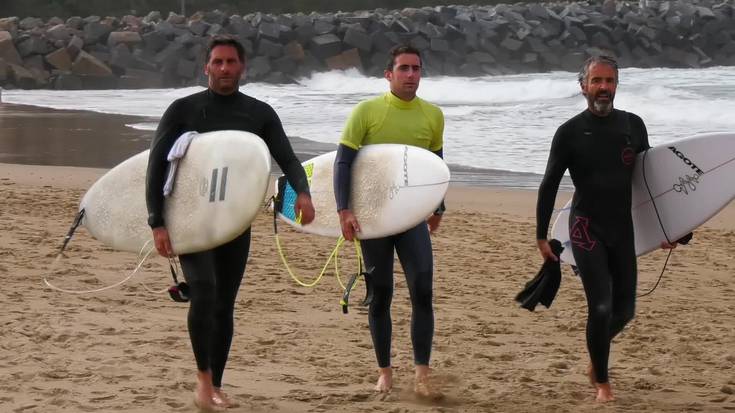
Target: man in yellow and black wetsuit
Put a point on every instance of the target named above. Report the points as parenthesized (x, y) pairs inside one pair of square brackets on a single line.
[(398, 116)]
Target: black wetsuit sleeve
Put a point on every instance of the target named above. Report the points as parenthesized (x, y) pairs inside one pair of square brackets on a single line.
[(440, 153), (280, 148), (169, 129), (342, 176), (643, 132), (555, 168)]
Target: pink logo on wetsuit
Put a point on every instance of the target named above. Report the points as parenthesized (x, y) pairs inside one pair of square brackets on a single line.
[(628, 156), (579, 234)]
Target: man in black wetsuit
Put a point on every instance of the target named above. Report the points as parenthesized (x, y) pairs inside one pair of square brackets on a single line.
[(214, 276), (599, 148)]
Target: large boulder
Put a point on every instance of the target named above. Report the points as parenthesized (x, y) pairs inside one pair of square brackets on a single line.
[(8, 52), (87, 65), (30, 23), (187, 69), (33, 45), (9, 24), (294, 51), (241, 28), (4, 71), (345, 60), (258, 67), (269, 48), (23, 77), (358, 38), (95, 32), (59, 32), (154, 41), (75, 46), (325, 46), (271, 31), (130, 39), (60, 59)]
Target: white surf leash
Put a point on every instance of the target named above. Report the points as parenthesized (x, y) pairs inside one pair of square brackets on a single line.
[(96, 290)]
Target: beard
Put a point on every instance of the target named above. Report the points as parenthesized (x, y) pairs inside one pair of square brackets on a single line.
[(603, 107)]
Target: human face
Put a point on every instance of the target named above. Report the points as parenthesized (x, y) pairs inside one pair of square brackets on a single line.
[(224, 70), (405, 76), (599, 88)]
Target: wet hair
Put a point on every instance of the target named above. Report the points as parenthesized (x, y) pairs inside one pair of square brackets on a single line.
[(223, 40), (399, 50), (602, 59)]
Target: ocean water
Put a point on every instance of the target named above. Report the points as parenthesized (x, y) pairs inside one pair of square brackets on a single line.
[(502, 124)]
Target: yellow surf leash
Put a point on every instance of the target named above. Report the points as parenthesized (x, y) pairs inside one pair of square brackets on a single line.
[(351, 284)]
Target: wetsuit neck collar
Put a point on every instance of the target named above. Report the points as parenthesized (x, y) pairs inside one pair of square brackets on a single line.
[(222, 98), (400, 103), (596, 116)]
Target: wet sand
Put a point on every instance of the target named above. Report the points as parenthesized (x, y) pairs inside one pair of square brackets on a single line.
[(127, 349)]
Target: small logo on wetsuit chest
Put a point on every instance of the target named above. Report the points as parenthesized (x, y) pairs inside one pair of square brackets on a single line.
[(628, 156)]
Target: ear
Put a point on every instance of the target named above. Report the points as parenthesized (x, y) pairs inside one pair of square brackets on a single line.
[(206, 70), (583, 86), (388, 75)]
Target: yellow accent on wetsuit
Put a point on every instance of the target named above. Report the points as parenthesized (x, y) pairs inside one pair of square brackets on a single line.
[(388, 119)]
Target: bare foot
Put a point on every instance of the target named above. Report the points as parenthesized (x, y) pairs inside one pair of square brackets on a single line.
[(385, 380), (423, 386), (604, 393), (207, 404), (204, 393), (221, 399)]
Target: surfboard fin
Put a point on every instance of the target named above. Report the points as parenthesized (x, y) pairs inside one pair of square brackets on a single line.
[(367, 275)]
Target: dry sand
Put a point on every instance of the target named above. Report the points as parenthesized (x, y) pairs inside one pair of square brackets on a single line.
[(127, 349)]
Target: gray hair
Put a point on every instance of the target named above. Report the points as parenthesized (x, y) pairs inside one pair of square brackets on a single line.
[(602, 59)]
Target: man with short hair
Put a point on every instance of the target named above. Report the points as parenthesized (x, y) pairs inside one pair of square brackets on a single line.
[(398, 116), (214, 276), (599, 147)]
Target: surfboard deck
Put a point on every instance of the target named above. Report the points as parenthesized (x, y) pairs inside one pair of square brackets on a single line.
[(219, 187), (676, 187), (394, 188)]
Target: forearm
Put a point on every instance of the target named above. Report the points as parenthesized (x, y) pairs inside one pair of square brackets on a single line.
[(342, 176)]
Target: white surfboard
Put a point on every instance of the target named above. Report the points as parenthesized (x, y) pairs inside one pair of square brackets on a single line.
[(690, 181), (394, 187), (219, 187)]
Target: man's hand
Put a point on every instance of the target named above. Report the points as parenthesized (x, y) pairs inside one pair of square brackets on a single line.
[(545, 249), (666, 246), (304, 207), (163, 242), (433, 222), (348, 222)]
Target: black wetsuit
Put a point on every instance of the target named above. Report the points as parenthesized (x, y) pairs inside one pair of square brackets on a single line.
[(600, 153), (415, 254), (214, 275)]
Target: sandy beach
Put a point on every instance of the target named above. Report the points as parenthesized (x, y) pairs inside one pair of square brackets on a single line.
[(127, 349)]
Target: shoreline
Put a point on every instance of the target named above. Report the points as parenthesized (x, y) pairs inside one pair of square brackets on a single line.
[(36, 135)]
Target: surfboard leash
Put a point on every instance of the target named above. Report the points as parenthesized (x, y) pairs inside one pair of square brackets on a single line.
[(96, 290), (351, 284), (660, 222)]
